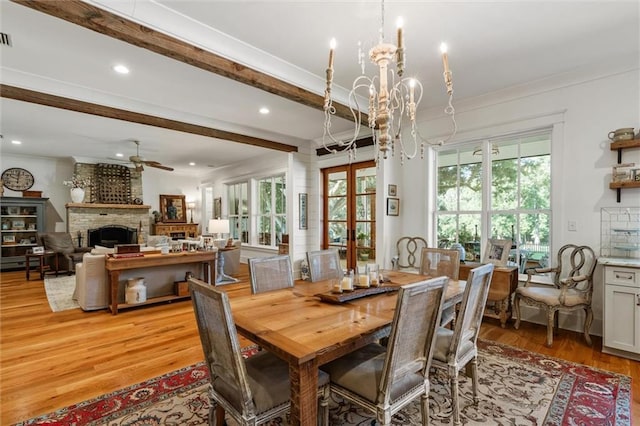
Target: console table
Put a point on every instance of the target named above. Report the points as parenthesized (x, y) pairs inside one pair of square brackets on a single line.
[(115, 266), (503, 284)]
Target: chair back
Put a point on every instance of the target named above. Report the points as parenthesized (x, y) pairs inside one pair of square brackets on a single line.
[(573, 261), (220, 344), (408, 252), (472, 306), (412, 338), (324, 264), (270, 273), (438, 262)]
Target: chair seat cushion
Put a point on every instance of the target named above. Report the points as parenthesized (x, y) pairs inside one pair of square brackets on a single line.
[(268, 378), (360, 372), (443, 342), (551, 296)]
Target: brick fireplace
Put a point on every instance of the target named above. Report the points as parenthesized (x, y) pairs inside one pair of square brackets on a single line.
[(81, 217)]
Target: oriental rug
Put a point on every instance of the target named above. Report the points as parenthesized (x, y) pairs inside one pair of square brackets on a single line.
[(59, 292), (516, 387)]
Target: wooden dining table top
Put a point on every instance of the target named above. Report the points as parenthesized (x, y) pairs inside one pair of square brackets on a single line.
[(306, 332)]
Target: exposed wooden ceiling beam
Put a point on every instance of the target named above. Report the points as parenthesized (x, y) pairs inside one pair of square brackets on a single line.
[(104, 22), (26, 95)]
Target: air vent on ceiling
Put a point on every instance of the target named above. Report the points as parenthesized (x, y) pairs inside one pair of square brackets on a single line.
[(5, 39)]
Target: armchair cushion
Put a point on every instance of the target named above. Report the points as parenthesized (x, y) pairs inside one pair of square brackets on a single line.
[(550, 296), (60, 242)]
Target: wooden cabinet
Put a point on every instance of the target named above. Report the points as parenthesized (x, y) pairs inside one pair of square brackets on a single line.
[(21, 218), (621, 317), (176, 231), (635, 180), (503, 284)]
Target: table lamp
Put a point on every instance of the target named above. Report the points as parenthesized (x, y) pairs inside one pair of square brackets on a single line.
[(191, 205), (219, 227)]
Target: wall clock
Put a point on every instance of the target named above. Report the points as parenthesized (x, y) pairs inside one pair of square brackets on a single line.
[(17, 179)]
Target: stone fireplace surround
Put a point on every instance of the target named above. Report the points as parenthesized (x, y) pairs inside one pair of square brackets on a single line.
[(82, 216)]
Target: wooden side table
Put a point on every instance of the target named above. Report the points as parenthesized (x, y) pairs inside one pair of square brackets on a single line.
[(41, 266), (503, 284)]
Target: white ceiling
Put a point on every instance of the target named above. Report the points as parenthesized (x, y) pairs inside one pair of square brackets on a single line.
[(492, 46)]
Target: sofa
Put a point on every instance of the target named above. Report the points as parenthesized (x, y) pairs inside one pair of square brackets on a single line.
[(92, 281)]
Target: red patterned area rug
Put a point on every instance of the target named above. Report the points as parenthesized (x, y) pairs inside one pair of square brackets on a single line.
[(516, 387)]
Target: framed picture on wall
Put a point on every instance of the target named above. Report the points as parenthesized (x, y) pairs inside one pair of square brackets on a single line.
[(302, 207), (173, 208), (217, 208), (393, 190), (393, 206), (497, 252)]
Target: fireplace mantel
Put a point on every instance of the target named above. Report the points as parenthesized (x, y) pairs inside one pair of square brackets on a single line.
[(106, 206)]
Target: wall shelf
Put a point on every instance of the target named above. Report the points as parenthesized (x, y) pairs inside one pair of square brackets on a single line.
[(619, 146)]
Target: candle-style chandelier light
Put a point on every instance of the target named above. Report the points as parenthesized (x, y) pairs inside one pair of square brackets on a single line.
[(393, 102)]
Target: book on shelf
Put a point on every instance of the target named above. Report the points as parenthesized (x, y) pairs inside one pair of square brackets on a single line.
[(623, 172)]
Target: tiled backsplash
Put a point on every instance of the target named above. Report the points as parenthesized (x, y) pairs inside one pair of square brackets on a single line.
[(620, 232)]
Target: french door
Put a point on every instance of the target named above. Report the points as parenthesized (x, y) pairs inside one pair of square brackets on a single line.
[(349, 213)]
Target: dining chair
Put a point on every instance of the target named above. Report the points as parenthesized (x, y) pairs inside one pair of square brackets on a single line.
[(570, 288), (270, 273), (324, 264), (251, 390), (408, 251), (456, 348), (436, 262), (386, 379)]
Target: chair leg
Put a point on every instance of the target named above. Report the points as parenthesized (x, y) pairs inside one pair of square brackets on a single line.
[(453, 379), (587, 324), (324, 406), (551, 314), (474, 379), (516, 308), (424, 399)]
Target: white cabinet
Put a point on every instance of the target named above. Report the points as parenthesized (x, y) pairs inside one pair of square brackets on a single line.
[(622, 310)]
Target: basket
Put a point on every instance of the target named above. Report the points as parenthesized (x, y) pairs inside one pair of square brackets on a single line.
[(113, 184)]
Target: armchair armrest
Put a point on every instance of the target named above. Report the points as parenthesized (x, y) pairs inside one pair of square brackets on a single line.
[(531, 272), (570, 282)]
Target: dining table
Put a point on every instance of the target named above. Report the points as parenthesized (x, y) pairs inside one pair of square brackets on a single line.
[(307, 330)]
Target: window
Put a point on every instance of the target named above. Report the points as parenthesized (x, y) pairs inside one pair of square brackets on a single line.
[(238, 211), (271, 214), (516, 205)]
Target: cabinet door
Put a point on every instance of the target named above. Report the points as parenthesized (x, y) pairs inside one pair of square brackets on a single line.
[(622, 318)]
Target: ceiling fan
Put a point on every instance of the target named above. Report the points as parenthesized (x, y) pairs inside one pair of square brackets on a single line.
[(139, 162)]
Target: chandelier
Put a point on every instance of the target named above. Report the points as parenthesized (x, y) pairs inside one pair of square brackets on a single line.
[(392, 102)]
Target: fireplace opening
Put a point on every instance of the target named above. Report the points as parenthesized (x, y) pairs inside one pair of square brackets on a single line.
[(110, 235)]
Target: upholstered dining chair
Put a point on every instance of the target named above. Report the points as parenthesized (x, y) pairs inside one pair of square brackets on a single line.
[(408, 251), (436, 262), (385, 379), (456, 348), (270, 273), (251, 390), (324, 264), (569, 288)]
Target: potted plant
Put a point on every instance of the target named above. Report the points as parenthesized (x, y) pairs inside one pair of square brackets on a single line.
[(362, 239)]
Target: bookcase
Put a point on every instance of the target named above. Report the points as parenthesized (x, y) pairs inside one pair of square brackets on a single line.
[(21, 219)]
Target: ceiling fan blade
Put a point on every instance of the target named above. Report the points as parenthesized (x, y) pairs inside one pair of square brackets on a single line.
[(157, 165)]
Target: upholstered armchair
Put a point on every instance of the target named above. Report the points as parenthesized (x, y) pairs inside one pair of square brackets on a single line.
[(570, 288), (62, 244)]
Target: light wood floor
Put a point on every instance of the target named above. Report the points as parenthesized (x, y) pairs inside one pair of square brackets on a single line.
[(51, 360)]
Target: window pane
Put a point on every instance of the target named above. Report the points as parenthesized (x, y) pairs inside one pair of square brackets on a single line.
[(338, 208), (264, 196), (365, 180), (535, 238), (244, 207), (264, 230), (448, 188), (364, 207), (281, 195), (471, 186), (337, 184), (504, 184), (281, 228)]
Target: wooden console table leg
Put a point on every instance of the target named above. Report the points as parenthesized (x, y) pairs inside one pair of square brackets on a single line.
[(114, 279)]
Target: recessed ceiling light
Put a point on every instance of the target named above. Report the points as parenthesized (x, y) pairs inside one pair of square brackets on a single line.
[(16, 142), (192, 163), (119, 154), (121, 69), (264, 110)]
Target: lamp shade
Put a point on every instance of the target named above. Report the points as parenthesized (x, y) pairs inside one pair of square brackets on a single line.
[(219, 226)]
